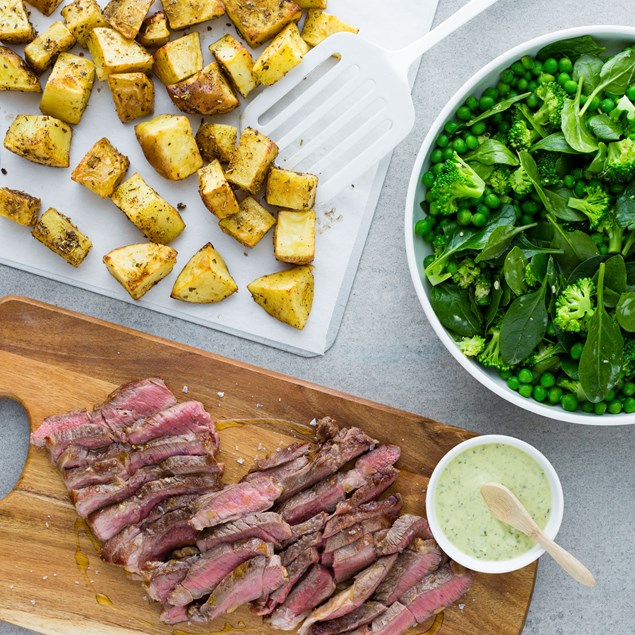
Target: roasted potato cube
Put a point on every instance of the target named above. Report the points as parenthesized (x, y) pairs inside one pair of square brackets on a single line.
[(127, 15), (113, 53), (40, 139), (204, 278), (102, 169), (311, 4), (286, 295), (251, 161), (218, 196), (45, 48), (58, 233), (81, 17), (206, 93), (251, 223), (19, 206), (285, 52), (294, 238), (318, 26), (15, 74), (169, 146), (14, 22), (45, 6), (133, 94), (184, 13), (152, 214), (154, 31), (236, 61), (179, 59), (68, 88), (294, 190), (258, 21), (139, 267), (216, 141)]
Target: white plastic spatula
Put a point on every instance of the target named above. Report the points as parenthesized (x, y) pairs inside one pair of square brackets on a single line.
[(338, 116)]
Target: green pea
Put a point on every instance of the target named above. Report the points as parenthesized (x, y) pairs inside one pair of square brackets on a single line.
[(464, 113), (576, 350), (547, 380), (569, 402), (482, 209), (629, 405), (513, 93), (630, 92), (450, 127), (526, 390), (492, 201), (555, 394), (485, 103), (513, 383), (532, 100), (600, 407), (550, 65), (507, 76), (594, 104), (459, 146), (628, 389), (527, 61), (569, 181), (442, 141), (565, 65), (563, 78), (503, 89), (452, 267), (436, 156), (615, 407), (492, 92), (571, 87), (428, 260), (423, 226), (606, 105), (427, 179), (522, 84), (479, 220), (471, 142), (505, 373), (587, 406), (580, 189), (478, 128), (464, 217), (551, 330), (437, 168), (518, 68), (471, 102), (529, 206), (539, 393), (532, 84), (603, 249), (537, 68), (526, 219), (525, 376), (448, 153)]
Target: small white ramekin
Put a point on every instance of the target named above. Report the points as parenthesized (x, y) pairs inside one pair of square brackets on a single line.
[(495, 566)]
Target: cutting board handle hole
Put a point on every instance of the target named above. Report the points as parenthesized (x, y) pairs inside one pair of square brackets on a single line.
[(14, 443)]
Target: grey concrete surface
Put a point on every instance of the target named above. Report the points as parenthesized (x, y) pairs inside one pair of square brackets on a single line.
[(387, 351)]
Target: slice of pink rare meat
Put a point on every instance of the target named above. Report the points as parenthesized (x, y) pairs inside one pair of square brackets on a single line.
[(365, 614), (159, 578), (347, 515), (404, 530)]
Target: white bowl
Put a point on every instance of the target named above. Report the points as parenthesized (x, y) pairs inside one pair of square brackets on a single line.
[(495, 566), (614, 38)]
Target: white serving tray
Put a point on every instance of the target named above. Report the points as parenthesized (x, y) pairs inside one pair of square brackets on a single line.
[(342, 226)]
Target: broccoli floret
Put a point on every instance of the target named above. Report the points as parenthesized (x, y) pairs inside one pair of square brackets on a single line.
[(519, 181), (531, 280), (455, 180), (520, 136), (595, 206), (483, 288), (545, 351), (547, 167), (499, 180), (575, 306), (466, 274), (620, 161), (472, 346), (628, 364), (490, 357), (553, 99), (439, 243), (572, 386)]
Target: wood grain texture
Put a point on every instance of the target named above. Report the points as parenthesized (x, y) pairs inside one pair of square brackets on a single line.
[(53, 361)]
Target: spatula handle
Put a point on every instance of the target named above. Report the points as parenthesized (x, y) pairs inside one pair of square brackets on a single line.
[(567, 561), (411, 53)]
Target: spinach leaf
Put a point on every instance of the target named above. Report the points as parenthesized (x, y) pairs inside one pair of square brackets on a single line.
[(614, 280), (625, 311), (530, 250), (587, 269), (491, 152), (602, 356), (454, 309), (499, 241), (531, 120), (605, 128), (481, 169), (588, 67), (576, 247), (501, 106), (578, 136), (495, 302), (598, 165), (572, 48), (524, 326), (514, 270), (554, 143), (625, 207)]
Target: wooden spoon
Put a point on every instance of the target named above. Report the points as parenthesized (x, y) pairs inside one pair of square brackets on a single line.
[(504, 505)]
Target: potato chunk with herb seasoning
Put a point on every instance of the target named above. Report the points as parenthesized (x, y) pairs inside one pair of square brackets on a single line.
[(45, 6), (184, 13), (216, 141), (179, 59), (133, 95), (40, 139), (294, 238), (218, 196), (15, 74), (236, 61), (259, 21), (204, 279), (139, 267), (68, 88), (81, 17), (127, 15), (311, 4), (205, 93), (284, 53), (251, 161), (102, 169), (286, 295), (19, 207), (113, 53), (154, 31), (250, 224), (58, 233), (318, 26), (169, 146), (151, 213), (293, 190), (14, 23), (45, 48)]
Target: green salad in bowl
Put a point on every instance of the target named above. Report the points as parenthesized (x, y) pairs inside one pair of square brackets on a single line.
[(523, 245)]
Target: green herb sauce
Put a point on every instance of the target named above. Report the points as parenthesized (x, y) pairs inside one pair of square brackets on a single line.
[(463, 514)]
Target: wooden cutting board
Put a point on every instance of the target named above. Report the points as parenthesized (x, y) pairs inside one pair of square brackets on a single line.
[(51, 578)]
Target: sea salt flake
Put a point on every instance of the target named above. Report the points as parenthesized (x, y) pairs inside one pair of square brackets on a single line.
[(461, 606), (313, 423), (259, 405), (46, 525), (240, 461), (12, 586), (185, 389), (33, 602), (45, 577), (261, 447), (220, 393)]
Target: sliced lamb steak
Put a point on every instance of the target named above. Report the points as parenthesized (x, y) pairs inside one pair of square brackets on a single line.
[(365, 614), (315, 587), (213, 566), (421, 558), (355, 532), (404, 530), (396, 620), (281, 456), (316, 523), (181, 418), (175, 614), (351, 559), (234, 502), (159, 578), (78, 457), (109, 521), (268, 526), (353, 597), (251, 580), (346, 515), (326, 429), (374, 486), (281, 473)]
